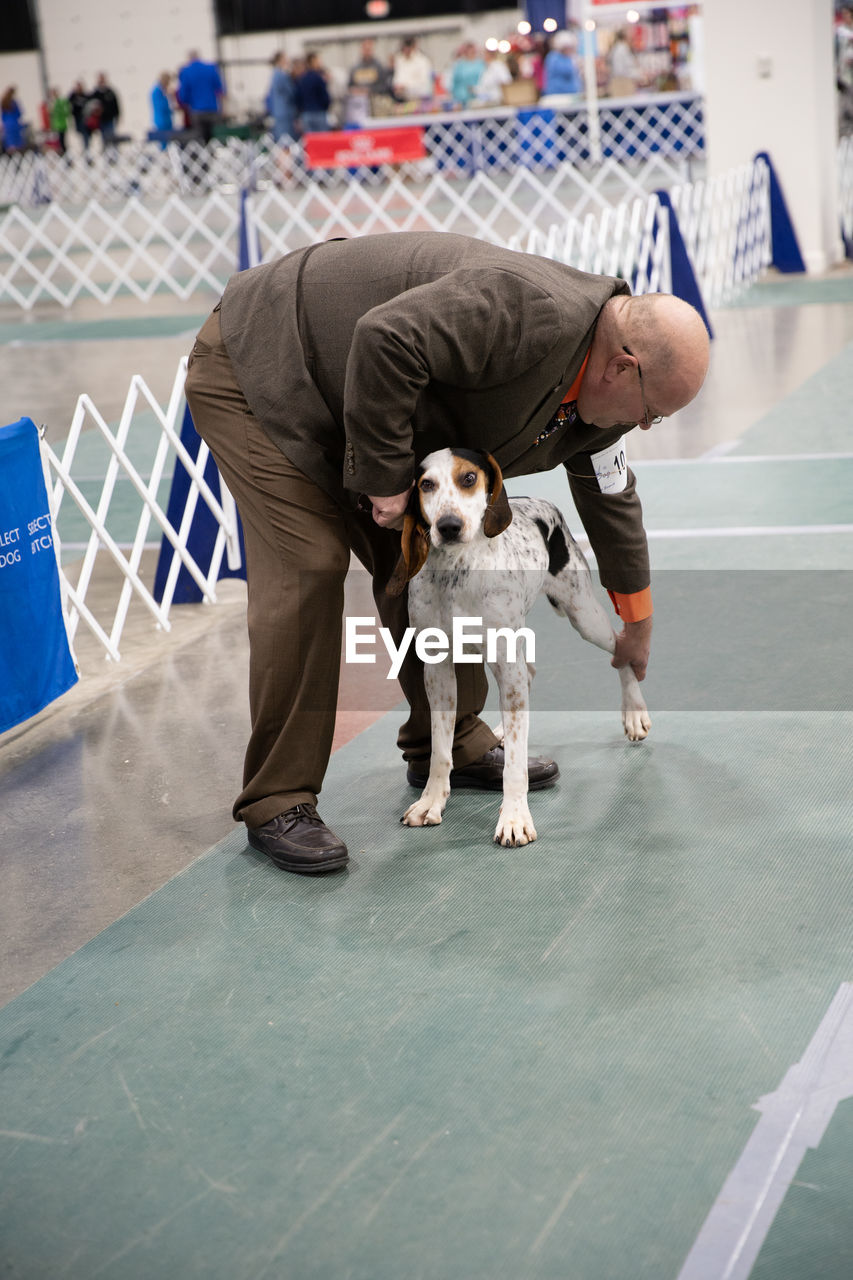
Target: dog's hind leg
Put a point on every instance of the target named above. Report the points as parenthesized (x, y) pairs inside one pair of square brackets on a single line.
[(440, 684), (571, 593)]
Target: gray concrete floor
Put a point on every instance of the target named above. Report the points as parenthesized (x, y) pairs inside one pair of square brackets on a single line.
[(126, 779)]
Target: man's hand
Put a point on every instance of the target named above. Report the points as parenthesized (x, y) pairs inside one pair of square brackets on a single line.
[(632, 647), (389, 512)]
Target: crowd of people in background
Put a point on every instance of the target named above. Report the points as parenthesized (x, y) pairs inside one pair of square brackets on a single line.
[(94, 112), (301, 98)]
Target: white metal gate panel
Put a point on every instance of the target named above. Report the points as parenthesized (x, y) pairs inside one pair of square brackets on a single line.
[(725, 223), (67, 483), (179, 246), (630, 241), (668, 128), (500, 207)]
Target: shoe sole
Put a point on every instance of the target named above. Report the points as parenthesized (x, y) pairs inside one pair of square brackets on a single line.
[(301, 868), (459, 784)]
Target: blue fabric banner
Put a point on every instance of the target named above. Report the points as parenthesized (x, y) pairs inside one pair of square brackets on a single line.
[(36, 665), (203, 530)]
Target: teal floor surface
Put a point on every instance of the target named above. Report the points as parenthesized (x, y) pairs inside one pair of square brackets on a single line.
[(460, 1062), (452, 1060)]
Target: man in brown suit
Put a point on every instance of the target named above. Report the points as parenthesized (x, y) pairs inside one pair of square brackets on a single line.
[(322, 378)]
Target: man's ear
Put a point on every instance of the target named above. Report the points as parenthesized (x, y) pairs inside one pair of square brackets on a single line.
[(621, 362), (414, 547), (498, 513)]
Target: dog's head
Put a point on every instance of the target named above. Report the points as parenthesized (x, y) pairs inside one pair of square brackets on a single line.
[(458, 495)]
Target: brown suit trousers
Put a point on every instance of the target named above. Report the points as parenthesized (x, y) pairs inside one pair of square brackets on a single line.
[(298, 543)]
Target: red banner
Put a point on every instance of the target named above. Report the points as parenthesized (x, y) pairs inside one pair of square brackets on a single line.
[(348, 149)]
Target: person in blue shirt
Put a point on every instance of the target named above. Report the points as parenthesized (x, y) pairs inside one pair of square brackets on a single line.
[(561, 70), (281, 101), (161, 107), (465, 75), (313, 96), (13, 129), (201, 90)]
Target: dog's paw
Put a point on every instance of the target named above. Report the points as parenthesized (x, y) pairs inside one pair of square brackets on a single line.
[(515, 827), (425, 812), (636, 722)]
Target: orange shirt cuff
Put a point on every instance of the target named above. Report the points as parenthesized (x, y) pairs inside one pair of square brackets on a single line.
[(633, 607)]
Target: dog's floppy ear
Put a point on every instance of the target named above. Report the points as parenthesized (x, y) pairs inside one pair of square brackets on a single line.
[(414, 547), (498, 513)]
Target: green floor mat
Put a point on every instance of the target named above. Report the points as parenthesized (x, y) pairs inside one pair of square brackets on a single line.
[(453, 1060)]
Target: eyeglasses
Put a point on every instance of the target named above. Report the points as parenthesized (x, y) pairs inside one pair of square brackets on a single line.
[(650, 422)]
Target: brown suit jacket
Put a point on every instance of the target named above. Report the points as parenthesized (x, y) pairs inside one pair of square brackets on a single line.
[(359, 357)]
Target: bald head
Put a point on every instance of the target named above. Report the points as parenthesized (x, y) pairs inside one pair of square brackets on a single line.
[(657, 333), (670, 340)]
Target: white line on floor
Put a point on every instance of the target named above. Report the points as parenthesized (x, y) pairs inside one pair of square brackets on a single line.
[(750, 531), (793, 1119), (763, 458)]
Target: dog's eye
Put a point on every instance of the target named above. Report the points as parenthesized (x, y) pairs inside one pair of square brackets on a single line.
[(469, 480), (427, 485)]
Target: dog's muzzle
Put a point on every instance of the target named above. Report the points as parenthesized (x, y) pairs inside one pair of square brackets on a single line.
[(449, 528)]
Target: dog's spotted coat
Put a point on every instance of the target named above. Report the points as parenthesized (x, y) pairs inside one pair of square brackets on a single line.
[(467, 551)]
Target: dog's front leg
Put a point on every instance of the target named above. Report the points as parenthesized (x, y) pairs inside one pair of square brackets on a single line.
[(440, 684), (573, 590), (636, 720), (515, 825)]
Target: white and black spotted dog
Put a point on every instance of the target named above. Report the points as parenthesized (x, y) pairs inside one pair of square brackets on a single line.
[(469, 551)]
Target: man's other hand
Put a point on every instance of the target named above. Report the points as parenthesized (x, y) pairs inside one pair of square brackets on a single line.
[(389, 512), (632, 647)]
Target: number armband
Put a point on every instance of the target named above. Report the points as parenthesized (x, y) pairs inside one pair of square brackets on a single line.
[(611, 467)]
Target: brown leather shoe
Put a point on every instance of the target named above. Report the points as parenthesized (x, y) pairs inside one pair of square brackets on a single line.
[(487, 773), (298, 840)]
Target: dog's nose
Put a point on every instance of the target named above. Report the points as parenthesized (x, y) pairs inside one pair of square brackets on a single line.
[(449, 527)]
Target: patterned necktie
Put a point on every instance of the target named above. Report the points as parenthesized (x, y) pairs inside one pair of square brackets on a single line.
[(566, 415)]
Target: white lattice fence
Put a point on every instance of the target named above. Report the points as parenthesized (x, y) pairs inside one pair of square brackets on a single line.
[(499, 207), (725, 223), (179, 246), (107, 509), (668, 128), (143, 170), (632, 130), (630, 240)]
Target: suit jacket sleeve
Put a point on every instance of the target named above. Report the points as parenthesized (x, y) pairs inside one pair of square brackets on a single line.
[(472, 328), (613, 523)]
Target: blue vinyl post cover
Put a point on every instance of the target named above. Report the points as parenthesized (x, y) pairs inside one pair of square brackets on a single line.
[(684, 282), (36, 665), (787, 256)]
